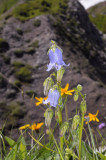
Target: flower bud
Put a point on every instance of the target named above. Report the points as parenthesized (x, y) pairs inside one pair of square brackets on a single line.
[(48, 117), (60, 73), (83, 106), (69, 152), (47, 131), (76, 121), (79, 87), (76, 95), (58, 115), (64, 127), (48, 83)]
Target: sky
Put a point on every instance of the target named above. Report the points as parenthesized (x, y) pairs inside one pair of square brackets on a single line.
[(89, 3)]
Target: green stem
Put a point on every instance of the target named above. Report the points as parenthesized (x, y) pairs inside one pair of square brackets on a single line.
[(1, 148), (61, 143), (66, 110), (80, 135), (60, 116)]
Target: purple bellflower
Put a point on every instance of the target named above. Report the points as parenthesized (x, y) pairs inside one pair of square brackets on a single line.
[(53, 97), (102, 125), (56, 60)]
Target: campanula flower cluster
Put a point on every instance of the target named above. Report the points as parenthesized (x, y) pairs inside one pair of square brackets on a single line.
[(56, 62)]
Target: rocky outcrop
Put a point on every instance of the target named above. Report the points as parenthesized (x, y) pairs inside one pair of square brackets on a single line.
[(27, 60)]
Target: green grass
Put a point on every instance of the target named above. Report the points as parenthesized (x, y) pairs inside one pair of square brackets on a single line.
[(34, 8), (97, 16), (97, 9), (6, 4), (99, 21)]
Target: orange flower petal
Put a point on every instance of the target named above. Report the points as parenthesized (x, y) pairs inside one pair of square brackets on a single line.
[(97, 112), (97, 120), (67, 86), (37, 98), (24, 127), (39, 125)]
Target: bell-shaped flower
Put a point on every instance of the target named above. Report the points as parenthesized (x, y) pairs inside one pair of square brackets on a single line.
[(56, 60), (53, 97)]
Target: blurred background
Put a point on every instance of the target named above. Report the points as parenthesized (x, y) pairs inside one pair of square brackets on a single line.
[(26, 29)]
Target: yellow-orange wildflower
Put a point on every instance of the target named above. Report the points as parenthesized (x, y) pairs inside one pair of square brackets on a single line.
[(35, 126), (24, 127), (66, 91), (92, 117), (40, 100), (32, 127)]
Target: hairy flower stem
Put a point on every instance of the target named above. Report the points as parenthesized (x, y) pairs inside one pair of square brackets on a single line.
[(61, 143), (66, 110), (80, 134), (60, 116)]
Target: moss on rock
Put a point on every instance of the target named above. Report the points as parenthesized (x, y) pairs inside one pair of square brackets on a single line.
[(6, 59), (37, 22), (35, 44), (19, 52), (17, 65), (35, 8), (24, 74)]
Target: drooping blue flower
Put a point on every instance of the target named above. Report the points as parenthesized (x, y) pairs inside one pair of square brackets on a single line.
[(56, 60), (53, 97)]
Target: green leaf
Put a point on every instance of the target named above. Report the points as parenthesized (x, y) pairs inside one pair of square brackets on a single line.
[(85, 154), (10, 141), (22, 148), (102, 156), (12, 154)]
